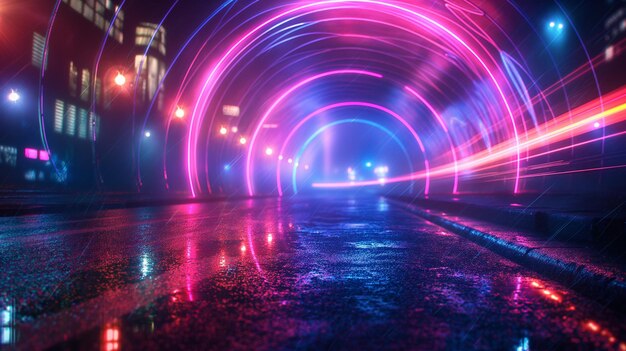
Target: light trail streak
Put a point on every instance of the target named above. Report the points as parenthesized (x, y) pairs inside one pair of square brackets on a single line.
[(584, 117)]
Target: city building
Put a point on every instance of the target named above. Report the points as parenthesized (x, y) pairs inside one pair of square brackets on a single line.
[(91, 44)]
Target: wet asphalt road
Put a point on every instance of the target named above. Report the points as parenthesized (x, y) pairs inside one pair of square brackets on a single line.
[(356, 273)]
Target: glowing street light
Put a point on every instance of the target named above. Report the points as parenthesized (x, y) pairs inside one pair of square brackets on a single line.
[(147, 134), (180, 112), (558, 26), (223, 130), (243, 141), (120, 79), (14, 96), (269, 151)]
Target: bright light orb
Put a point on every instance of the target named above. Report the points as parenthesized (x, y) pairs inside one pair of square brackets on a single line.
[(269, 151), (14, 96), (552, 24), (596, 125), (290, 161), (234, 130), (280, 157), (223, 130), (243, 141), (368, 165), (147, 134), (180, 112), (120, 79)]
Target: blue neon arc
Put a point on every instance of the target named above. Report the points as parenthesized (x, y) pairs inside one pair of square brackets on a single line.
[(336, 123)]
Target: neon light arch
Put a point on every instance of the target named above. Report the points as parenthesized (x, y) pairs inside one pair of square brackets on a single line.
[(210, 81), (385, 110), (322, 130)]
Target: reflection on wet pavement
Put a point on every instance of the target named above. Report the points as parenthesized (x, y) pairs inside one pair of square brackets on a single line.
[(271, 274)]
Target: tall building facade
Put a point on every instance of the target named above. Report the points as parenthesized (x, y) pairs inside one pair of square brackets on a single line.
[(88, 123)]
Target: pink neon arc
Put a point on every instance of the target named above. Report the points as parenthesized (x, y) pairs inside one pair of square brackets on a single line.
[(377, 6), (455, 187), (278, 101), (352, 104)]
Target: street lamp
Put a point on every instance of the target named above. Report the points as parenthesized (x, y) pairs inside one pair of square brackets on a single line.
[(180, 112), (243, 141), (147, 134), (269, 151), (13, 96), (120, 79), (223, 130)]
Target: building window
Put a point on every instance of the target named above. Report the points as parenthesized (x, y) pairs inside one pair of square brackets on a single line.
[(73, 80), (39, 43), (97, 12), (85, 84), (77, 5), (82, 123), (151, 72), (70, 125), (144, 33), (8, 155), (59, 111)]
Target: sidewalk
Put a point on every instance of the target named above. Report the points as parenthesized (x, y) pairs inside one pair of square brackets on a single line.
[(30, 203), (591, 220), (579, 265)]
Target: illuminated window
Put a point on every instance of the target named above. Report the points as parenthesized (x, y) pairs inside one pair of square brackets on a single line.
[(95, 11), (38, 46), (88, 12), (85, 82), (82, 123), (73, 80), (8, 155), (59, 111), (144, 33), (44, 155), (77, 5), (30, 175), (32, 154), (99, 21), (70, 125), (151, 72)]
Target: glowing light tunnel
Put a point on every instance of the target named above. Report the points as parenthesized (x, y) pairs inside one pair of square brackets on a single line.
[(322, 130)]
